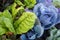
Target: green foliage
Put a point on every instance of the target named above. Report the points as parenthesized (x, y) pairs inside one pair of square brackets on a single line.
[(6, 22), (19, 2), (14, 20), (2, 30), (25, 22), (9, 25), (15, 10), (29, 3), (7, 14)]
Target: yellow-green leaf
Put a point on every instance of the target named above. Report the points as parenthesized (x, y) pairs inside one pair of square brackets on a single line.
[(2, 30), (7, 14), (29, 3), (9, 25), (25, 22)]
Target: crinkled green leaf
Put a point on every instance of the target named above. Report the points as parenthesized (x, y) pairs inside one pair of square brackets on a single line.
[(1, 21), (19, 2), (7, 14), (6, 22), (9, 25), (30, 3), (2, 30), (15, 10), (25, 22), (2, 26)]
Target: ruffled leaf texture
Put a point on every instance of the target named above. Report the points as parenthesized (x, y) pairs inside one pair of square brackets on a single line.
[(19, 2), (56, 3), (15, 10), (2, 30), (29, 3), (34, 33), (6, 22), (25, 22)]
